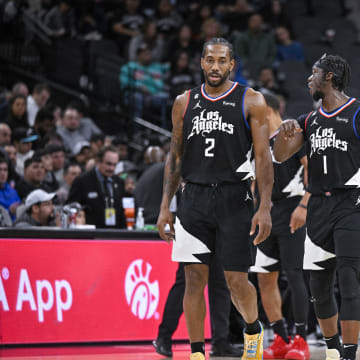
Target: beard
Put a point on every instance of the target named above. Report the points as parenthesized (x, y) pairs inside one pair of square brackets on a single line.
[(220, 81), (317, 95)]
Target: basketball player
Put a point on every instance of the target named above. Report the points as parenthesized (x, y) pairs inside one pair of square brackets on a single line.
[(332, 136), (285, 247), (215, 127)]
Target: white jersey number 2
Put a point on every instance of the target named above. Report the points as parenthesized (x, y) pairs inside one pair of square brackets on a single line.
[(211, 144)]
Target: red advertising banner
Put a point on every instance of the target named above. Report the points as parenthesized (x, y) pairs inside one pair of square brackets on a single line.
[(84, 290)]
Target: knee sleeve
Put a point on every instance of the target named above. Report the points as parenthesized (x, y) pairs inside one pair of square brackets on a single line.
[(349, 284), (299, 295), (322, 292)]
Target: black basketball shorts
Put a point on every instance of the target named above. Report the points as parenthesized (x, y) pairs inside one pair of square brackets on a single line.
[(282, 249), (215, 219), (333, 222)]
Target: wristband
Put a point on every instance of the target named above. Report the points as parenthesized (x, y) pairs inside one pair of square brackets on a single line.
[(303, 206)]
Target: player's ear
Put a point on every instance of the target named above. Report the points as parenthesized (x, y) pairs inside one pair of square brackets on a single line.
[(202, 63), (232, 64), (329, 76)]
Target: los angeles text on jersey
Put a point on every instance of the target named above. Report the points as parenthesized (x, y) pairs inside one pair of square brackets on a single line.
[(209, 121), (324, 138)]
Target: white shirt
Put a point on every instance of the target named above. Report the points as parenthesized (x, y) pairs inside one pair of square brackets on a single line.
[(32, 110)]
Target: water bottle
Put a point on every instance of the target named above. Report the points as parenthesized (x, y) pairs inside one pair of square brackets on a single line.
[(140, 223)]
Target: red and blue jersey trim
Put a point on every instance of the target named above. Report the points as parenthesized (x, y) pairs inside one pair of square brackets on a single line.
[(335, 112), (226, 93)]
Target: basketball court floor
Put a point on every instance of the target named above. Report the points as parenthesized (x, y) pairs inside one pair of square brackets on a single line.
[(113, 352)]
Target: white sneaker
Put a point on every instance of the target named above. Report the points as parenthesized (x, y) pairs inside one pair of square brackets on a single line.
[(332, 354)]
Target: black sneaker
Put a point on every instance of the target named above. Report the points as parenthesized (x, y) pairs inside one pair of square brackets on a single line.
[(225, 350), (162, 347)]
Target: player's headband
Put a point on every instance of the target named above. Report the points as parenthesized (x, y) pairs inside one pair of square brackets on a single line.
[(320, 64)]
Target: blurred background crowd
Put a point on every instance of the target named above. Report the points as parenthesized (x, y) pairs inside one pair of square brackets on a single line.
[(86, 89)]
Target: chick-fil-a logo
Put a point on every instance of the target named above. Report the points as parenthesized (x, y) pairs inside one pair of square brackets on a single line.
[(141, 295)]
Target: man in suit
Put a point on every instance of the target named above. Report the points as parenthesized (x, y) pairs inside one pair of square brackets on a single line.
[(101, 192)]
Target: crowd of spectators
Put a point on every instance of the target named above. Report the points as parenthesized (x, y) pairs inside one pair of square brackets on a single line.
[(50, 160)]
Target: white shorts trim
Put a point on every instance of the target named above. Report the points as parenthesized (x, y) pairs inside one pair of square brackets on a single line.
[(185, 245)]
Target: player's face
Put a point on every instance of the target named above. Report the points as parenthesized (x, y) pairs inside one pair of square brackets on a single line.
[(217, 65), (316, 83)]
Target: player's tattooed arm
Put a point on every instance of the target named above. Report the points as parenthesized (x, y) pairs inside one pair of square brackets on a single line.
[(255, 109), (172, 172)]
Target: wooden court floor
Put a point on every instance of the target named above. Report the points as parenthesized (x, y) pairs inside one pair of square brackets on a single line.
[(113, 352)]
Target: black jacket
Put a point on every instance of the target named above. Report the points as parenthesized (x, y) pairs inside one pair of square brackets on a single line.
[(87, 190)]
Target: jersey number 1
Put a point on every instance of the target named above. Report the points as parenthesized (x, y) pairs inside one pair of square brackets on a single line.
[(211, 143), (325, 164)]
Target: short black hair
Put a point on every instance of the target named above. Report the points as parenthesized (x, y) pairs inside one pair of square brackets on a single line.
[(272, 100), (69, 165), (34, 159), (339, 67), (218, 41)]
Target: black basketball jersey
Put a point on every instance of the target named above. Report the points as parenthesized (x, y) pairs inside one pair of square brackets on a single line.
[(217, 138), (288, 175), (333, 147)]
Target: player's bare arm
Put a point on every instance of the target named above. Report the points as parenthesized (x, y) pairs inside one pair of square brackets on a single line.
[(288, 141), (255, 108), (172, 172)]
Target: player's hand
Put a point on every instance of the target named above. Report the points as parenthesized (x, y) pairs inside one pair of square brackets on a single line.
[(166, 217), (262, 218), (298, 219), (290, 128)]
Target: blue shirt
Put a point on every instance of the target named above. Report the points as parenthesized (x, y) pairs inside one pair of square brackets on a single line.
[(8, 196), (294, 51)]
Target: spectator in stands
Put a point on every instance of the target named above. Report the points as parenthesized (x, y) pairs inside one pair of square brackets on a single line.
[(71, 172), (61, 19), (275, 15), (127, 23), (288, 49), (101, 192), (168, 20), (58, 161), (17, 115), (4, 104), (74, 128), (44, 122), (152, 155), (20, 88), (254, 47), (236, 16), (82, 153), (143, 83), (36, 101), (9, 198), (39, 210), (150, 37), (34, 174), (267, 82), (148, 191), (5, 134), (23, 139), (97, 142), (210, 28), (184, 42), (49, 180), (198, 17), (181, 77), (13, 176)]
